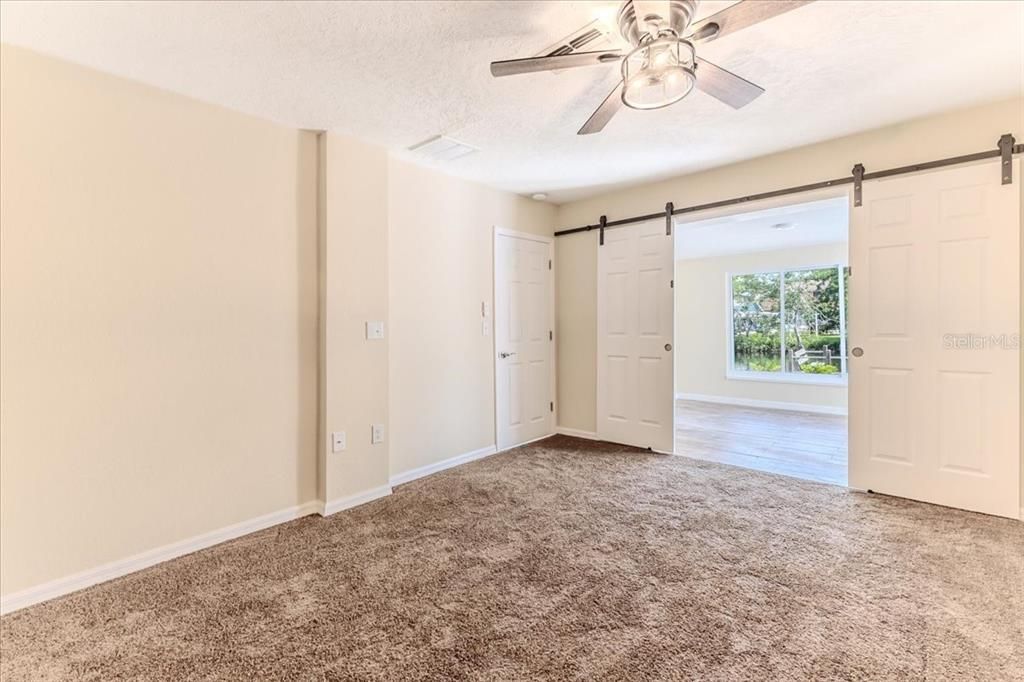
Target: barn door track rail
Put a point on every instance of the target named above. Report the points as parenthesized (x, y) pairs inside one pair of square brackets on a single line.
[(1005, 149)]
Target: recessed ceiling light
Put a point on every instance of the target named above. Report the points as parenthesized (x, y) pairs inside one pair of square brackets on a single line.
[(539, 196), (783, 226)]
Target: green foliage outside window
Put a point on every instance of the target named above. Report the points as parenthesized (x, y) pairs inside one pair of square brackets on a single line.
[(805, 304)]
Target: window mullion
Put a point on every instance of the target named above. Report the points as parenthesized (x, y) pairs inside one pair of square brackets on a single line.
[(782, 321)]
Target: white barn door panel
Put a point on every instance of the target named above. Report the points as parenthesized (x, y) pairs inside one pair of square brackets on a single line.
[(523, 328), (934, 322), (634, 337)]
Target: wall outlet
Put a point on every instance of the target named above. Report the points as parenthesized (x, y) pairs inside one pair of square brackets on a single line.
[(376, 433), (375, 330), (337, 441)]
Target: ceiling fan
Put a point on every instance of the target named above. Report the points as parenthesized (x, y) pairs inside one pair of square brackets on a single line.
[(660, 65)]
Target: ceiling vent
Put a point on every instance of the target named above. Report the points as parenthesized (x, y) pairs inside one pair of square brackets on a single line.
[(442, 148)]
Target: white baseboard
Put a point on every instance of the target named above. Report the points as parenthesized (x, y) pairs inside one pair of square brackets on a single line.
[(413, 474), (576, 433), (767, 404), (137, 562), (343, 503), (527, 442)]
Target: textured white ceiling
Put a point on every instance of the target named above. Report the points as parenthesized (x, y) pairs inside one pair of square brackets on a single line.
[(816, 222), (396, 73)]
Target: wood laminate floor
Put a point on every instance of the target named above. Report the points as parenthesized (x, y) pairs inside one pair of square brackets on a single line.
[(800, 444)]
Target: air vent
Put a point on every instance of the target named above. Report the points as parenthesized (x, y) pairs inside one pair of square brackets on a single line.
[(442, 148)]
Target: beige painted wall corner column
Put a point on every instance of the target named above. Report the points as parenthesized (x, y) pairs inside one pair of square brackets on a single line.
[(353, 224)]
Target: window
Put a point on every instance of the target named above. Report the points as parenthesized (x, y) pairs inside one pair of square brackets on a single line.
[(789, 325)]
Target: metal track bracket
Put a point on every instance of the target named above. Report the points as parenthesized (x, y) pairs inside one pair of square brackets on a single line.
[(858, 181), (1006, 156), (604, 221), (668, 218)]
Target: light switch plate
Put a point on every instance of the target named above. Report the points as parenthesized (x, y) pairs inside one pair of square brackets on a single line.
[(376, 433), (337, 441), (375, 330)]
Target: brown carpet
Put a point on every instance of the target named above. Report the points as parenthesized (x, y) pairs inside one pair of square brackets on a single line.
[(565, 560)]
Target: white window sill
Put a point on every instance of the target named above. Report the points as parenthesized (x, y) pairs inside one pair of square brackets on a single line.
[(789, 378)]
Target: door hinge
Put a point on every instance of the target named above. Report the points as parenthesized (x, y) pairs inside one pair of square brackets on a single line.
[(549, 264), (552, 406), (551, 335), (671, 284)]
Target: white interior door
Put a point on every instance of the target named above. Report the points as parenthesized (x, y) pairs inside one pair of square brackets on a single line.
[(523, 338), (634, 337), (935, 308)]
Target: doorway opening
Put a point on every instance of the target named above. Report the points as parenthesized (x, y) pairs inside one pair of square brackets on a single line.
[(761, 339)]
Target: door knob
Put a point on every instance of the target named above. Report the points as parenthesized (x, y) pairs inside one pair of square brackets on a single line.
[(505, 355), (668, 346), (857, 352)]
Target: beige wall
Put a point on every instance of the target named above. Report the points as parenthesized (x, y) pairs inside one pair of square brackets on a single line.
[(354, 290), (185, 292), (950, 134), (702, 322), (440, 263), (158, 318)]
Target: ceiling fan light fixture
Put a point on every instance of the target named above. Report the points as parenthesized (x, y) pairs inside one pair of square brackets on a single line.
[(658, 73)]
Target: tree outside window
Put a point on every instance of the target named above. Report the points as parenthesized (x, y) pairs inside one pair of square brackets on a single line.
[(791, 321)]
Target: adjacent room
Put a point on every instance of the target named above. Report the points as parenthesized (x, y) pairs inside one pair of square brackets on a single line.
[(761, 340), (511, 340)]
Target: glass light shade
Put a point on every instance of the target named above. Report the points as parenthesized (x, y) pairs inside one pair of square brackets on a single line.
[(658, 73)]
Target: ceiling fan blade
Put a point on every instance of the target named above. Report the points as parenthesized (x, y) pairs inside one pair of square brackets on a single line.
[(609, 107), (511, 67), (741, 15), (725, 85)]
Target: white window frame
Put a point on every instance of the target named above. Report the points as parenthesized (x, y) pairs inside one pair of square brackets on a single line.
[(783, 377)]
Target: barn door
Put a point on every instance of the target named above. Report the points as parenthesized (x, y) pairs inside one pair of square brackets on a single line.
[(934, 337), (634, 337)]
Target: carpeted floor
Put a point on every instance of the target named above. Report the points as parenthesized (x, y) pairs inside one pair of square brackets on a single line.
[(565, 560)]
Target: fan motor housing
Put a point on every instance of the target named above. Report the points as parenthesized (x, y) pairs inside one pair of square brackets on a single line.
[(681, 13)]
